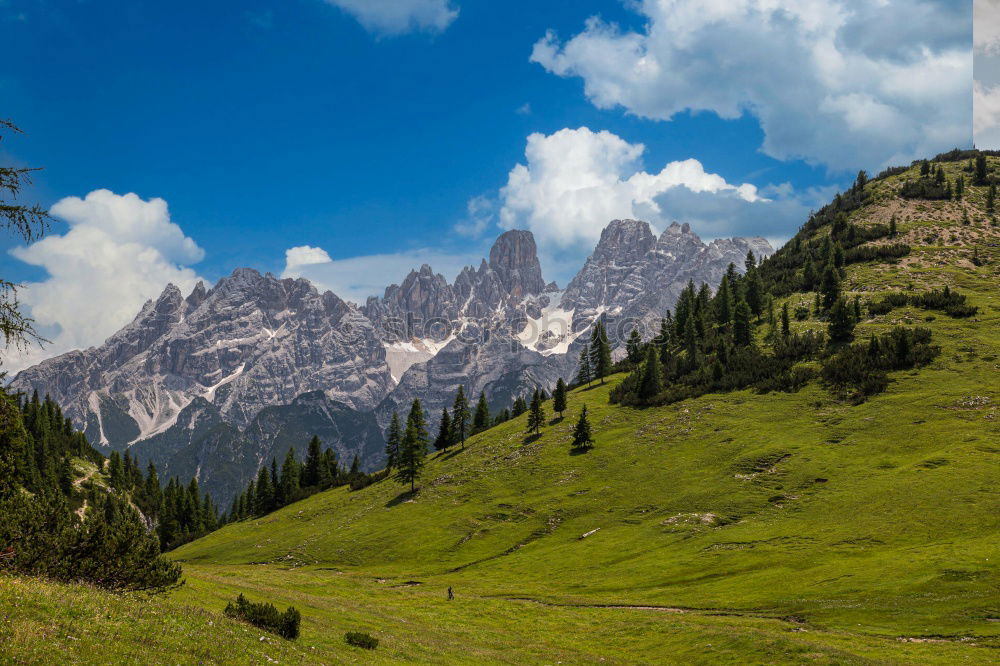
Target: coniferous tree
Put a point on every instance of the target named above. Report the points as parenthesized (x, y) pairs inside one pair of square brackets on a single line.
[(754, 290), (651, 383), (481, 419), (600, 352), (991, 197), (393, 439), (724, 302), (559, 398), (786, 325), (582, 436), (290, 477), (265, 494), (413, 448), (981, 173), (742, 326), (633, 348), (583, 373), (536, 414), (841, 327), (445, 433), (665, 340), (893, 229), (959, 188), (460, 415), (808, 275), (311, 471), (520, 407), (830, 286)]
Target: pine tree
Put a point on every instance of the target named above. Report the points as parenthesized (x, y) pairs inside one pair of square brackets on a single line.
[(786, 325), (290, 477), (460, 415), (742, 326), (808, 275), (841, 328), (633, 348), (116, 471), (311, 472), (520, 407), (481, 419), (583, 373), (445, 434), (959, 188), (830, 286), (893, 228), (536, 414), (582, 436), (265, 495), (600, 352), (651, 383), (981, 173), (754, 291), (724, 302), (413, 448), (559, 398), (393, 438)]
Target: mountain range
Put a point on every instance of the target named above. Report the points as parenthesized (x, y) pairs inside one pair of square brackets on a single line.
[(216, 383)]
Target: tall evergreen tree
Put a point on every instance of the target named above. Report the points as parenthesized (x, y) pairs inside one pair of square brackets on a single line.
[(600, 352), (290, 476), (393, 439), (830, 286), (445, 433), (724, 302), (520, 407), (481, 419), (559, 397), (536, 414), (786, 324), (460, 415), (582, 435), (841, 327), (651, 383), (314, 457), (633, 348), (413, 448), (742, 325), (265, 494)]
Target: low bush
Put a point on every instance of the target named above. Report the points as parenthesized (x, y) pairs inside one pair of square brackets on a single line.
[(361, 640), (945, 300), (266, 616)]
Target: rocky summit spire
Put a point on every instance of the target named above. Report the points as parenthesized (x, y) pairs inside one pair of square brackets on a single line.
[(514, 258)]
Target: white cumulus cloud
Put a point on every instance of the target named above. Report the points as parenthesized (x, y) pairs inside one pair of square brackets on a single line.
[(844, 83), (575, 181), (396, 17), (119, 251)]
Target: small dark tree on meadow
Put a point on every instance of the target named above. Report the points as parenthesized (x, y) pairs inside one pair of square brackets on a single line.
[(830, 286), (651, 383), (600, 352), (445, 433), (786, 324), (842, 322), (520, 407), (481, 420), (633, 348), (413, 449), (460, 415), (559, 397), (982, 176), (582, 437), (536, 414)]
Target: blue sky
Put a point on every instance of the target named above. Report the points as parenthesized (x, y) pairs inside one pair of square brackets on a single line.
[(348, 140)]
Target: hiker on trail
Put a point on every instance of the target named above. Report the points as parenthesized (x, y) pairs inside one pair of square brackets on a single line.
[(451, 595)]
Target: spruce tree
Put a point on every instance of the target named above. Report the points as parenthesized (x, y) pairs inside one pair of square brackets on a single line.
[(393, 439), (559, 398), (445, 433), (520, 407), (413, 448), (265, 494), (981, 173), (583, 373), (808, 275), (311, 472), (290, 477), (633, 348), (651, 383), (536, 414), (582, 436), (724, 302), (786, 326), (742, 325), (893, 227), (841, 327), (830, 286), (460, 415), (754, 291), (600, 352), (481, 419)]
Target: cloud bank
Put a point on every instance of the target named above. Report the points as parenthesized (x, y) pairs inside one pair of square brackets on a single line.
[(842, 83), (397, 17), (119, 251)]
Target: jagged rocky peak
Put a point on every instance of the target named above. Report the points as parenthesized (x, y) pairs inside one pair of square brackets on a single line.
[(626, 240), (514, 258)]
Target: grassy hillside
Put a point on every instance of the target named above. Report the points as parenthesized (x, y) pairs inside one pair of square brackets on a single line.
[(778, 528)]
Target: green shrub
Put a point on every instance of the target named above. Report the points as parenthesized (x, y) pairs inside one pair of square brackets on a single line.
[(361, 640), (266, 616)]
